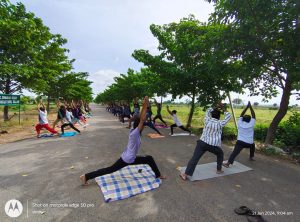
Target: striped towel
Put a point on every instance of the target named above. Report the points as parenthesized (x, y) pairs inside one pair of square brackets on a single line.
[(127, 182)]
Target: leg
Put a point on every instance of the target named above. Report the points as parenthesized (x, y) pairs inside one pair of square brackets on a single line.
[(237, 149), (155, 117), (38, 128), (160, 118), (252, 151), (172, 126), (73, 127), (185, 129), (198, 152), (220, 156), (47, 127), (152, 127), (149, 161), (63, 127), (54, 123), (119, 164)]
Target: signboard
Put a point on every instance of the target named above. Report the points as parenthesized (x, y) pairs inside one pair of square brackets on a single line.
[(9, 100)]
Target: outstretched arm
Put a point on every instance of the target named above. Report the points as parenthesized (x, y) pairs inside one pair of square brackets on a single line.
[(37, 105), (169, 111), (245, 110), (252, 111), (143, 113)]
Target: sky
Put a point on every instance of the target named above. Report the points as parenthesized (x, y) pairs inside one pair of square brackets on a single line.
[(102, 34)]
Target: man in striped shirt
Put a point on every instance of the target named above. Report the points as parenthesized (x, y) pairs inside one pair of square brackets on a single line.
[(210, 139)]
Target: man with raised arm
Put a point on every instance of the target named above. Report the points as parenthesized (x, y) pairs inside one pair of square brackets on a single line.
[(210, 139), (129, 155), (245, 135)]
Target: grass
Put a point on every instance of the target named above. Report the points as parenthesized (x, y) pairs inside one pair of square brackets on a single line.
[(263, 115)]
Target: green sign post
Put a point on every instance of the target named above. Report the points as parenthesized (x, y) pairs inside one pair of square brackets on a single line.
[(11, 100)]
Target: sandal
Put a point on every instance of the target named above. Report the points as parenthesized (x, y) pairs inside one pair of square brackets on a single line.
[(243, 210)]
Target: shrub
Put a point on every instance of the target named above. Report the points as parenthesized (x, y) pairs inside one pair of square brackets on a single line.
[(260, 132), (229, 133)]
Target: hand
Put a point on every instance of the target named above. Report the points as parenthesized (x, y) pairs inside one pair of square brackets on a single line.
[(146, 100)]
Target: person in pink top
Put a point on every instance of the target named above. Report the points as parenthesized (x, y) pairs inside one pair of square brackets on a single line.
[(43, 121), (129, 155)]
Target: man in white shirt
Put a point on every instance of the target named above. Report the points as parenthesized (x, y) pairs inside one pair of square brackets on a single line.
[(210, 139), (245, 135), (177, 122)]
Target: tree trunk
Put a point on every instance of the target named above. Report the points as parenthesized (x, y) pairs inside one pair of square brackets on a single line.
[(284, 104), (48, 104), (7, 91), (191, 111)]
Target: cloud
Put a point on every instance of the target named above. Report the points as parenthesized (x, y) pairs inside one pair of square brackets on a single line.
[(102, 79)]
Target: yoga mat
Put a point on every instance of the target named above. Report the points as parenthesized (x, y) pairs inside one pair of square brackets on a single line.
[(161, 126), (68, 134), (46, 135), (127, 182), (208, 170), (182, 134), (154, 135)]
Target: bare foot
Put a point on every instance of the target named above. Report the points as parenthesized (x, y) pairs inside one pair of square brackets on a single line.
[(183, 176), (226, 164), (220, 171), (162, 177), (83, 180)]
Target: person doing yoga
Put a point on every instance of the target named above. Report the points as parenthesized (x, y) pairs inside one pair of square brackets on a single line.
[(245, 135), (210, 139), (129, 156), (158, 114), (177, 122), (43, 120)]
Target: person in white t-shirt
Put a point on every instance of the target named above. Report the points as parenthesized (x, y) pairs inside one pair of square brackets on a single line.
[(245, 135), (43, 121), (177, 122)]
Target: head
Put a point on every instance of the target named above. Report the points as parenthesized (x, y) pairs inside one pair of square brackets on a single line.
[(174, 111), (246, 118), (62, 107), (216, 114), (42, 109), (136, 122)]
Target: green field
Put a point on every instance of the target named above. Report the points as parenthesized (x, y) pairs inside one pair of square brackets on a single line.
[(263, 115)]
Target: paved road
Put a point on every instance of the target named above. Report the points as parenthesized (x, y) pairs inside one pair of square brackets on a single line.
[(39, 172)]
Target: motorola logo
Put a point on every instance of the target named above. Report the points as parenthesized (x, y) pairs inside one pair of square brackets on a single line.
[(13, 208)]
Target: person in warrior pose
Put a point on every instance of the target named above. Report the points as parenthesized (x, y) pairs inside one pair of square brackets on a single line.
[(129, 155)]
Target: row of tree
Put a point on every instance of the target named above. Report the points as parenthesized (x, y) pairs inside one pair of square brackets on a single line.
[(246, 44), (33, 58)]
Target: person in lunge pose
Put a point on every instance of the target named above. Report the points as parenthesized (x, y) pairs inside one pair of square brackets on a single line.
[(210, 139), (177, 122), (129, 156), (43, 121), (148, 121), (245, 135), (66, 116), (158, 114), (136, 112)]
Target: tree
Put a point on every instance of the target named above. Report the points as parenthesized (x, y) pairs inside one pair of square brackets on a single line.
[(264, 37), (237, 101), (53, 64), (191, 62), (255, 104), (22, 37)]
